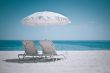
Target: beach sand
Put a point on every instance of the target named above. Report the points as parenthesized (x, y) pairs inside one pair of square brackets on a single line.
[(75, 62)]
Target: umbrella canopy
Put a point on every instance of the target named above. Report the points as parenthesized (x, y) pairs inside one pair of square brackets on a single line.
[(46, 18)]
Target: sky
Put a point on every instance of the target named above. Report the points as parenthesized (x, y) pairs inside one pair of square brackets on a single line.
[(90, 20)]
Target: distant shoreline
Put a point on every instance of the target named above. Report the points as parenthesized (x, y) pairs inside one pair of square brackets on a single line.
[(16, 45)]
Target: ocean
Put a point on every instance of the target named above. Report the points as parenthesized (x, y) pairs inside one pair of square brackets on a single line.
[(16, 45)]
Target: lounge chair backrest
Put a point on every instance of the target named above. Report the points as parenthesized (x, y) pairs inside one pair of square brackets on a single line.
[(47, 47), (29, 47)]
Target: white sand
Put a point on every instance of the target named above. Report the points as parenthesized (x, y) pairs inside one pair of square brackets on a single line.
[(76, 62)]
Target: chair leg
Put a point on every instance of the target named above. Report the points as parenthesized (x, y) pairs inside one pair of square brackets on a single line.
[(19, 57), (24, 56), (56, 59), (34, 58), (53, 58)]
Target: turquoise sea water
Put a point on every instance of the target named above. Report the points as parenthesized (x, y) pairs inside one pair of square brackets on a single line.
[(16, 45)]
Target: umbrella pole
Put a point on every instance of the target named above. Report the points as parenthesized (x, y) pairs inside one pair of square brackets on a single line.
[(45, 33)]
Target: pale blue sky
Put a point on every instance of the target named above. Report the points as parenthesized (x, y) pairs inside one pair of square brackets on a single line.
[(90, 20)]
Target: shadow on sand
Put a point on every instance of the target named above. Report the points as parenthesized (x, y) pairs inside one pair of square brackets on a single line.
[(32, 60)]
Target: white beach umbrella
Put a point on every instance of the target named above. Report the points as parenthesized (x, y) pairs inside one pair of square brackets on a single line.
[(46, 18)]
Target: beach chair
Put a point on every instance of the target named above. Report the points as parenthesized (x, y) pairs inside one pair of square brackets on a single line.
[(30, 50), (49, 49)]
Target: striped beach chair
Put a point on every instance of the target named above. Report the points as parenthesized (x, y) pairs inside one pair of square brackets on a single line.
[(30, 50), (49, 49)]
